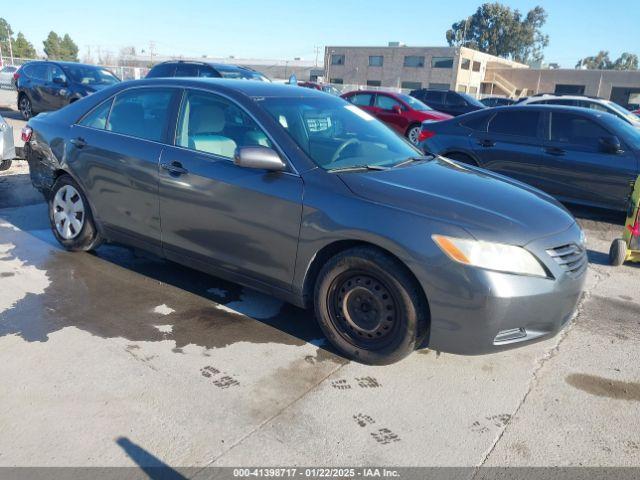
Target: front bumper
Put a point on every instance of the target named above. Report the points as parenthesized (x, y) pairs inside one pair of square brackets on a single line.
[(489, 311)]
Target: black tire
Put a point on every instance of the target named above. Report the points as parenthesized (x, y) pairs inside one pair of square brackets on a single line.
[(5, 165), (87, 237), (370, 307), (618, 252), (25, 106), (413, 132), (462, 158)]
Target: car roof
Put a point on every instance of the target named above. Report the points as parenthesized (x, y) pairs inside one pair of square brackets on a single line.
[(250, 88), (371, 92), (221, 66), (559, 108), (564, 97)]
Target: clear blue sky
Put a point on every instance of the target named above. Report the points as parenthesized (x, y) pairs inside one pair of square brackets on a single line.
[(286, 29)]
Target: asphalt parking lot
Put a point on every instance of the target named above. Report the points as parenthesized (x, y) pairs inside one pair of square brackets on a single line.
[(120, 359)]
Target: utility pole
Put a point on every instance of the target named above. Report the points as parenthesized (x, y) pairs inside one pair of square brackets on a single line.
[(316, 49), (10, 50), (152, 46)]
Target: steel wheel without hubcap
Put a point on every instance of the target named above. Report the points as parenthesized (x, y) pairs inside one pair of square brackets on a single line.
[(68, 212), (362, 309), (25, 107), (413, 135)]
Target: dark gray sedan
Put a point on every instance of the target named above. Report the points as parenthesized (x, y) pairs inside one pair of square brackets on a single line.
[(306, 197)]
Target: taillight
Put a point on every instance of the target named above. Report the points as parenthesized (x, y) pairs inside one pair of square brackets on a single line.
[(16, 76), (26, 134), (425, 135)]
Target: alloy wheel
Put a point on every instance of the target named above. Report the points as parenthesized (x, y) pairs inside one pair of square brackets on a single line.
[(68, 212), (414, 135), (25, 107)]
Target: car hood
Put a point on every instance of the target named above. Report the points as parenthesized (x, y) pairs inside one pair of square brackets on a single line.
[(433, 115), (488, 206)]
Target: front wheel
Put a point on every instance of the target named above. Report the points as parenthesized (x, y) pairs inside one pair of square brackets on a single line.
[(25, 107), (413, 134), (370, 307), (70, 216)]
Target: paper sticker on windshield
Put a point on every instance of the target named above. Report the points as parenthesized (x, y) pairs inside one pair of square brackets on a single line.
[(361, 113)]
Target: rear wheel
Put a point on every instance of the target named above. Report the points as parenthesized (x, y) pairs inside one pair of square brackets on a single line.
[(70, 216), (370, 307), (462, 158), (25, 107), (618, 252), (5, 165), (413, 134)]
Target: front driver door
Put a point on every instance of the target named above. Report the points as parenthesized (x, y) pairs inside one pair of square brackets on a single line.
[(389, 110), (242, 221)]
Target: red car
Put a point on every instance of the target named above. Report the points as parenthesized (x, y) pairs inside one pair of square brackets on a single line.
[(637, 112), (402, 113)]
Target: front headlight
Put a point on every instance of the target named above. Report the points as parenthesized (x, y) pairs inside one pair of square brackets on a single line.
[(491, 256)]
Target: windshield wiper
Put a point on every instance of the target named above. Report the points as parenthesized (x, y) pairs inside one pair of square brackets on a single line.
[(411, 160), (355, 168)]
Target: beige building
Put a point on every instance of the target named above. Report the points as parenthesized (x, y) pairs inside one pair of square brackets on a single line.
[(409, 68)]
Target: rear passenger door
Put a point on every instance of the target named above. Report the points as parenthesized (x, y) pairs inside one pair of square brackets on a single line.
[(242, 221), (511, 144), (115, 149), (576, 169)]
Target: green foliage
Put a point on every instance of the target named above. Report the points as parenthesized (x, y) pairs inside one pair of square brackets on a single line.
[(5, 30), (22, 48), (498, 30), (57, 48), (601, 61)]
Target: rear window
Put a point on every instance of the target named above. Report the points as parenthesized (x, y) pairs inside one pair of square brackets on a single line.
[(521, 123), (162, 70)]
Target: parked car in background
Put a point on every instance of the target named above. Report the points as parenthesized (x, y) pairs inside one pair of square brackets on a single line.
[(401, 112), (6, 76), (575, 154), (188, 68), (45, 86), (308, 198), (7, 149), (636, 112), (448, 101), (593, 103), (497, 101), (323, 87)]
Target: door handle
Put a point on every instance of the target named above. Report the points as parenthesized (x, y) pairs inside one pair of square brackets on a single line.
[(79, 142), (487, 143), (554, 151), (174, 168)]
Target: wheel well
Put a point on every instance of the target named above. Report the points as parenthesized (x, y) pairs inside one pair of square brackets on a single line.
[(340, 246)]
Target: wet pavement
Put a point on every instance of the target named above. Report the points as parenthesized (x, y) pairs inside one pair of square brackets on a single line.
[(121, 358)]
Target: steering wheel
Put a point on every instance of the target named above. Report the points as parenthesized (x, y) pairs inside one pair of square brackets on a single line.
[(341, 148)]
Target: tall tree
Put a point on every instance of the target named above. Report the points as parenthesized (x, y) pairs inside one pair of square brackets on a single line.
[(601, 61), (5, 30), (498, 30), (69, 49), (52, 46), (22, 48), (627, 61)]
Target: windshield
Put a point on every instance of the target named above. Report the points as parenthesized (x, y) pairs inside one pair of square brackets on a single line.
[(414, 102), (336, 134), (91, 75), (471, 100), (241, 74), (630, 117)]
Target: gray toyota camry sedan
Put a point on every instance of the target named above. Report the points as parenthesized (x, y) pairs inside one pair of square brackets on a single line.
[(306, 197)]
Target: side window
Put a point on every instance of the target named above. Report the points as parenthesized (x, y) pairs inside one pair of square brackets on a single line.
[(575, 129), (455, 100), (361, 99), (162, 70), (521, 123), (594, 106), (436, 97), (207, 72), (477, 123), (97, 118), (56, 72), (386, 103), (212, 124), (39, 71), (141, 112)]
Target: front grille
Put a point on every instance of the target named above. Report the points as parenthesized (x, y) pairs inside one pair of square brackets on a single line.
[(571, 258)]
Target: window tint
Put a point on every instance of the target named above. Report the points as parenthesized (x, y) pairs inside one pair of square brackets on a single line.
[(376, 60), (524, 124), (97, 118), (162, 70), (436, 97), (142, 113), (454, 99), (476, 122), (575, 129), (442, 62), (186, 70), (56, 72), (386, 103), (361, 99), (39, 71), (212, 124), (414, 61)]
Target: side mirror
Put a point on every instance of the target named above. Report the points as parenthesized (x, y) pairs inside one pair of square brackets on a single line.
[(610, 144), (397, 109), (59, 81), (262, 158)]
